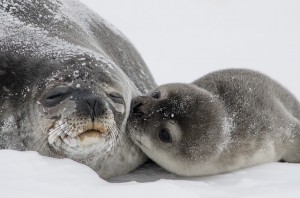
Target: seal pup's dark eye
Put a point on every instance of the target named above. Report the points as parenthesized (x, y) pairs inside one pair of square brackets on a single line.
[(56, 95), (165, 136), (156, 95), (116, 97)]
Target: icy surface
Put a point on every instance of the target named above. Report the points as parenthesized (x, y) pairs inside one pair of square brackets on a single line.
[(29, 175)]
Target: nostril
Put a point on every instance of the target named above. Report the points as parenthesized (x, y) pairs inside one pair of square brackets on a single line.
[(91, 103), (93, 107), (136, 108)]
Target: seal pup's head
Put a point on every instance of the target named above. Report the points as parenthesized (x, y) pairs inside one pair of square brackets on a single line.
[(180, 127)]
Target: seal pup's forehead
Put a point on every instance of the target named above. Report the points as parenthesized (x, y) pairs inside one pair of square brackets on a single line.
[(181, 91), (181, 98)]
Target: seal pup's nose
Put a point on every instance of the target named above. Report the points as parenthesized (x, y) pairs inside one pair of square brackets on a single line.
[(137, 106)]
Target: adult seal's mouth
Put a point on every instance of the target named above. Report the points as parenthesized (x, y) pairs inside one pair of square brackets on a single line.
[(62, 133)]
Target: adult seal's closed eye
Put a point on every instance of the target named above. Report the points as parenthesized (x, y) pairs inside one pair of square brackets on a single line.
[(66, 81), (224, 121)]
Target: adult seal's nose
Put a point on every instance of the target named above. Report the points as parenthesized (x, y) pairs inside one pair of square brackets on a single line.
[(95, 106), (91, 106)]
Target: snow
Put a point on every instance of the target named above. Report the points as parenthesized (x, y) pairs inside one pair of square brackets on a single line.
[(27, 174), (180, 41)]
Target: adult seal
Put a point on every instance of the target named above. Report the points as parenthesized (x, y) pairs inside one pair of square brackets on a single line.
[(67, 78), (224, 121)]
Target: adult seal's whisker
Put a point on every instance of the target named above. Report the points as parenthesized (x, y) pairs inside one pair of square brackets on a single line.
[(42, 138)]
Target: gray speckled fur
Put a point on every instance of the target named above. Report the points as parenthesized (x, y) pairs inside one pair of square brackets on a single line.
[(226, 120), (46, 43)]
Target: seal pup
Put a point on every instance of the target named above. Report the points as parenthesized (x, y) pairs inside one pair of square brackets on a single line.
[(224, 121), (67, 78)]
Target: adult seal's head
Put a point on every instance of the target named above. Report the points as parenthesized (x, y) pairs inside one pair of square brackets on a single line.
[(224, 121), (66, 82)]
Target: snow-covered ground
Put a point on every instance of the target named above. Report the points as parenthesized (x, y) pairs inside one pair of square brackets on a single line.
[(29, 175), (180, 41)]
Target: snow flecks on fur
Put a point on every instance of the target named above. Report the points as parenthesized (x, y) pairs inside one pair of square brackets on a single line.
[(287, 132), (27, 38), (8, 124), (227, 128)]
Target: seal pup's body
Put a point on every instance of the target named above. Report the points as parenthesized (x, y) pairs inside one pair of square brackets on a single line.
[(224, 121), (67, 78)]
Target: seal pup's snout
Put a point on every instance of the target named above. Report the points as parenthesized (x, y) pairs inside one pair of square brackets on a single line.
[(139, 105), (136, 108)]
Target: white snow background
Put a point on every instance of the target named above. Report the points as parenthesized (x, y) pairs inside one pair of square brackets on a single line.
[(181, 40)]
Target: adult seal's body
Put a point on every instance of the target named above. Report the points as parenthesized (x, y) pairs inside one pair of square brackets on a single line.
[(66, 81), (222, 122)]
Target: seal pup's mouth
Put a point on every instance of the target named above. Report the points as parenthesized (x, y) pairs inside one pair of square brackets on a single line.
[(61, 133)]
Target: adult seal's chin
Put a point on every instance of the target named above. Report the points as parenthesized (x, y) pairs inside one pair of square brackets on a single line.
[(66, 88)]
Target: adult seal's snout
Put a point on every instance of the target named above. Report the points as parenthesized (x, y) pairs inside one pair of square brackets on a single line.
[(91, 105)]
